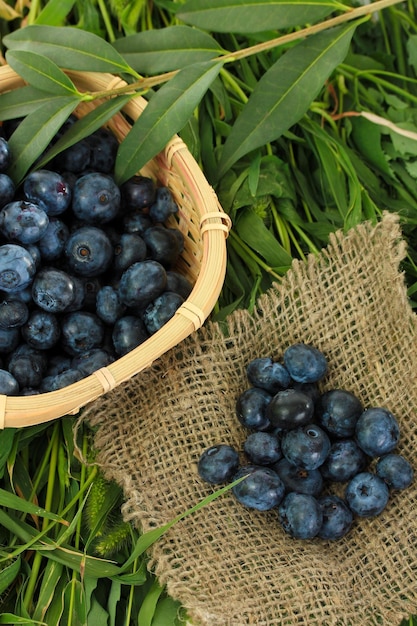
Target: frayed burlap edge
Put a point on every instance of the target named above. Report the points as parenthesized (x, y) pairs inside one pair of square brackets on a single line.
[(231, 566)]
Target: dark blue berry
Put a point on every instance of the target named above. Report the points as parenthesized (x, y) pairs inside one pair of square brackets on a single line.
[(337, 517), (52, 244), (22, 221), (130, 248), (267, 374), (141, 283), (262, 489), (218, 464), (290, 408), (377, 431), (53, 290), (395, 470), (103, 150), (338, 410), (5, 155), (305, 363), (96, 198), (89, 251), (367, 494), (128, 333), (7, 189), (49, 190), (91, 361), (300, 515), (17, 268), (9, 339), (13, 313), (306, 446), (164, 205), (136, 222), (262, 448), (178, 283), (139, 192), (42, 330), (251, 408), (8, 384), (108, 305), (81, 331), (299, 479), (75, 158), (163, 244), (28, 365), (59, 381), (344, 460), (161, 310)]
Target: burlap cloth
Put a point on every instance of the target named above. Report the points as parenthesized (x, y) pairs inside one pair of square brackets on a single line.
[(232, 566)]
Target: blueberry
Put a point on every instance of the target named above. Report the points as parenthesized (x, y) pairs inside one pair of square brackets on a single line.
[(23, 222), (91, 361), (161, 310), (262, 489), (75, 158), (163, 244), (337, 517), (306, 446), (141, 283), (108, 305), (366, 494), (5, 155), (136, 222), (251, 407), (395, 470), (96, 198), (53, 290), (300, 515), (13, 313), (377, 431), (8, 384), (128, 333), (89, 251), (178, 283), (310, 389), (262, 448), (338, 410), (59, 381), (49, 190), (139, 192), (130, 248), (52, 244), (305, 363), (218, 464), (345, 459), (103, 150), (164, 205), (290, 408), (28, 365), (9, 339), (58, 363), (42, 330), (7, 189), (81, 331), (267, 374), (299, 479)]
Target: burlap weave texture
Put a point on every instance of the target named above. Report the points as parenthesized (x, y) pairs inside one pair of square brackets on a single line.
[(230, 566)]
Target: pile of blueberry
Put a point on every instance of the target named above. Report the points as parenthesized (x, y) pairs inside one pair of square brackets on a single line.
[(301, 441), (87, 268)]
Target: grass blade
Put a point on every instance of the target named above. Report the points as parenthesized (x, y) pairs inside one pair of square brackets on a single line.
[(11, 501), (8, 574), (55, 12), (251, 16), (166, 113), (284, 93)]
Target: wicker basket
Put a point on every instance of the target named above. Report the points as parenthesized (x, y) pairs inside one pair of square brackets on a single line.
[(204, 226)]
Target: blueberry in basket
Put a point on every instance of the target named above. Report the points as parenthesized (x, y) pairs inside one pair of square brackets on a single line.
[(88, 269), (318, 457)]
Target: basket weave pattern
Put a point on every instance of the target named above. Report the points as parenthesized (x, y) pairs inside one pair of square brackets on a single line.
[(204, 226)]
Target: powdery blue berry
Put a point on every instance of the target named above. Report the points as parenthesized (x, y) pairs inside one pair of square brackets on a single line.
[(377, 431), (337, 517), (251, 408), (300, 515), (344, 460), (262, 448), (367, 494), (267, 374), (305, 363), (299, 479), (218, 463), (395, 470), (262, 489), (307, 446), (338, 410), (17, 268)]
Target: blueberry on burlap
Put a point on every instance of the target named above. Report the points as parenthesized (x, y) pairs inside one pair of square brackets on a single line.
[(233, 566)]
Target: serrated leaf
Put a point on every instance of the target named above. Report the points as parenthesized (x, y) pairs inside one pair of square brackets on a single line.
[(69, 47), (85, 126), (251, 16), (166, 114), (21, 101), (166, 49), (35, 132), (40, 72), (285, 92)]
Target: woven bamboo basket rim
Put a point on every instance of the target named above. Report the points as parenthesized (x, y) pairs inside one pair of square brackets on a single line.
[(211, 227)]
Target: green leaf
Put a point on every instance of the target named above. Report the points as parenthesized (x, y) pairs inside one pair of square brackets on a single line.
[(11, 501), (35, 132), (7, 438), (52, 573), (165, 49), (148, 606), (55, 12), (10, 618), (8, 574), (285, 92), (69, 47), (75, 610), (166, 114), (250, 227), (22, 101), (252, 16), (41, 72), (367, 138), (85, 126)]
